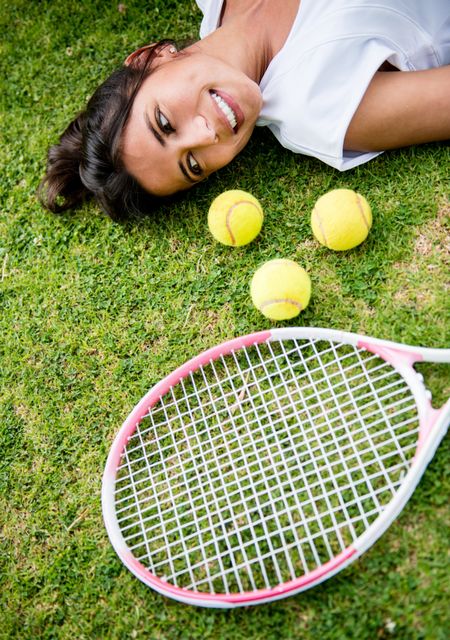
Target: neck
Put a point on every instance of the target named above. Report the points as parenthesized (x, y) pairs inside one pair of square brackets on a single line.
[(251, 34)]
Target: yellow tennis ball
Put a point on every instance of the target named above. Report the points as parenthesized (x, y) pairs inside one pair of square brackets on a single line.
[(235, 218), (280, 289), (341, 219)]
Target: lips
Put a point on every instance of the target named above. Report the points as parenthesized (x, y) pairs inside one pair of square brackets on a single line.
[(229, 109)]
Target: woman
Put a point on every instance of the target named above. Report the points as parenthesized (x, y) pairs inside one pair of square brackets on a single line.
[(337, 80)]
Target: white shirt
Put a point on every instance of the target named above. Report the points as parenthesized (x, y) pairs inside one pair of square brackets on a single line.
[(313, 86)]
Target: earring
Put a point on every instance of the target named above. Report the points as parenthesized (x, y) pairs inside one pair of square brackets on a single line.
[(172, 50)]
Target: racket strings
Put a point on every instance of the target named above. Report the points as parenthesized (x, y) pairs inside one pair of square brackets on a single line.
[(283, 490), (241, 376), (355, 452), (338, 439), (212, 479), (225, 412), (211, 495), (322, 479), (400, 404), (244, 496), (265, 464)]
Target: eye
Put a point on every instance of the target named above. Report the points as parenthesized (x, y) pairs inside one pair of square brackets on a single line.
[(163, 122), (193, 165)]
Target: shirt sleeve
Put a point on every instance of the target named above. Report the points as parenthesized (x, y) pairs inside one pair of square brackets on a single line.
[(201, 5), (211, 10), (315, 100)]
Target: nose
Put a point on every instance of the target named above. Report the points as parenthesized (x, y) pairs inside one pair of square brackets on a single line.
[(200, 133)]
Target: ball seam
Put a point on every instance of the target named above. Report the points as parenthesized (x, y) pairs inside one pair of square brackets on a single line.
[(361, 209), (229, 214), (266, 303), (319, 222)]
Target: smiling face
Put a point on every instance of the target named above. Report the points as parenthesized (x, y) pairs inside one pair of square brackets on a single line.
[(192, 115)]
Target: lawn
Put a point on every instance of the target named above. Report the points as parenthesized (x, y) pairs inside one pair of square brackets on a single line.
[(93, 313)]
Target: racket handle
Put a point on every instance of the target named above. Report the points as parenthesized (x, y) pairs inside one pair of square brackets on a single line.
[(435, 355)]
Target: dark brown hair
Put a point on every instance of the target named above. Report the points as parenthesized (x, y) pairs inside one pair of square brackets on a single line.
[(86, 162)]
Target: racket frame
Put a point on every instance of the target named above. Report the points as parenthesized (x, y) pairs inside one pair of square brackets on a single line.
[(433, 424)]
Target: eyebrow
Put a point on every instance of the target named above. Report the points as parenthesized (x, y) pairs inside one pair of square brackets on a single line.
[(162, 142)]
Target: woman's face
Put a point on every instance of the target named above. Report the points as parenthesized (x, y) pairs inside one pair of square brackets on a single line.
[(192, 115)]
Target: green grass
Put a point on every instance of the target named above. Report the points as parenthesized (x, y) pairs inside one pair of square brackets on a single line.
[(94, 313)]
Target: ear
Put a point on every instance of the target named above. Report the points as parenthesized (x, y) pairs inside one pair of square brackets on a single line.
[(140, 57)]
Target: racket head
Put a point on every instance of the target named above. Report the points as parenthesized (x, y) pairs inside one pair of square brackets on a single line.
[(348, 541)]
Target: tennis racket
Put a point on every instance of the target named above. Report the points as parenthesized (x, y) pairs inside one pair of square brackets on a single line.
[(269, 463)]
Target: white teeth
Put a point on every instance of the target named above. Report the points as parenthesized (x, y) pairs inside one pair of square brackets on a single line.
[(226, 109)]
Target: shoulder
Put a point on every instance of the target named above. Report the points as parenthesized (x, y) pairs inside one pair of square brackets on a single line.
[(309, 103)]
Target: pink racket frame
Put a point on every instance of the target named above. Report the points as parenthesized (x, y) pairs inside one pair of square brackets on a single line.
[(433, 424)]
